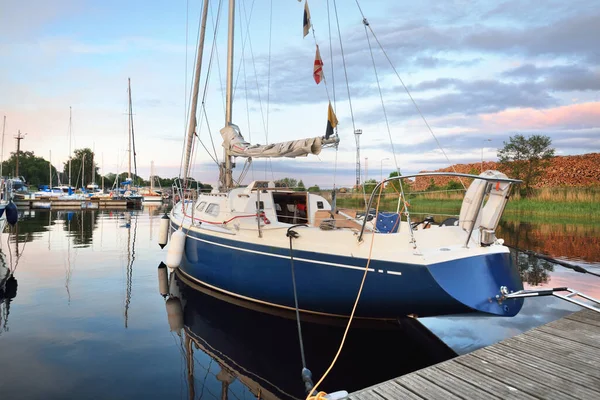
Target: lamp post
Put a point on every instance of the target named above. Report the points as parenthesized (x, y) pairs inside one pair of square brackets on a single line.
[(381, 167), (482, 145)]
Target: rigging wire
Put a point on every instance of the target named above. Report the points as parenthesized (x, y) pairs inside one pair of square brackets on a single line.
[(344, 63), (335, 165), (387, 123), (208, 74), (188, 97), (247, 109), (217, 55), (269, 82), (262, 113), (185, 94), (408, 92)]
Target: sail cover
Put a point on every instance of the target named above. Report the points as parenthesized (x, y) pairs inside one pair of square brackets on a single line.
[(234, 143)]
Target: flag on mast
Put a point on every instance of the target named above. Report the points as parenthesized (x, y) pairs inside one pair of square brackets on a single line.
[(318, 69), (331, 122), (306, 22)]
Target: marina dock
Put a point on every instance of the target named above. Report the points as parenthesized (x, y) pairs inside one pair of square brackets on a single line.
[(558, 360), (54, 204)]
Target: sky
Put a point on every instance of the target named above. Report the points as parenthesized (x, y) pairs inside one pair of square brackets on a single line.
[(478, 71)]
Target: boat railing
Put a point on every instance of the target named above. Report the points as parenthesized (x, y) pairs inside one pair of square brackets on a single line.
[(377, 189)]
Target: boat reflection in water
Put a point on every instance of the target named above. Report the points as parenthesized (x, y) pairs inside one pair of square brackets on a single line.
[(257, 353)]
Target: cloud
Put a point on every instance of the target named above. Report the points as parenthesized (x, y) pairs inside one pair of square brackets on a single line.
[(559, 77), (574, 116)]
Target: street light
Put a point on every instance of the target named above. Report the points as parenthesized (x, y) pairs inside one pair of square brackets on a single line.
[(482, 145), (381, 167)]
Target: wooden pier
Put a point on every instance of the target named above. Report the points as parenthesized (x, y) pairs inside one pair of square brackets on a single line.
[(53, 204), (559, 360)]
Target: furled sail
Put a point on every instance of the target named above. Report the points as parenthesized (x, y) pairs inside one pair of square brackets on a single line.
[(234, 143)]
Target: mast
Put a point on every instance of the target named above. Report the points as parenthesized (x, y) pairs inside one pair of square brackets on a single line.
[(70, 129), (93, 168), (196, 88), (50, 168), (19, 137), (83, 171), (102, 172), (151, 177), (2, 150), (129, 124), (229, 105)]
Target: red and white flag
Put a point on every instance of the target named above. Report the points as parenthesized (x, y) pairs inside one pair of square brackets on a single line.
[(318, 70)]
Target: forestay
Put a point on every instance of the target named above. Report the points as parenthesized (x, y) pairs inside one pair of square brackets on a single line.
[(234, 143)]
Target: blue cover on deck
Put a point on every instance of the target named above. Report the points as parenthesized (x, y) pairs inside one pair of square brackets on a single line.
[(387, 222)]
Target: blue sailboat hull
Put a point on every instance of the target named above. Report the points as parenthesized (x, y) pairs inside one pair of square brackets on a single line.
[(329, 283)]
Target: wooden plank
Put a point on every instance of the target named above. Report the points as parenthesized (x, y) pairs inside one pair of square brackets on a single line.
[(588, 314), (488, 385), (580, 336), (463, 389), (553, 382), (514, 379), (366, 394), (558, 344), (558, 360), (548, 345), (547, 366), (424, 388), (569, 362), (391, 390), (576, 330), (583, 318)]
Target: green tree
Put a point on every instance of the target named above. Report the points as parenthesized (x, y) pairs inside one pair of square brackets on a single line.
[(370, 186), (453, 185), (286, 182), (86, 156), (432, 186), (394, 186), (526, 159), (314, 189), (300, 187), (34, 169)]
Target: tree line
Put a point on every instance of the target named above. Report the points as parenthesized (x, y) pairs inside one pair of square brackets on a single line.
[(520, 158), (36, 172)]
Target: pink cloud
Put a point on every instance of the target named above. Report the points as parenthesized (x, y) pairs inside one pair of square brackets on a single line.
[(584, 114)]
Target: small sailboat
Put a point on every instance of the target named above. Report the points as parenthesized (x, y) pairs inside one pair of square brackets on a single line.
[(152, 195), (127, 189), (270, 245)]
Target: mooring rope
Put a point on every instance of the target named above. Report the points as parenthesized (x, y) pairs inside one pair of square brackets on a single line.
[(306, 374)]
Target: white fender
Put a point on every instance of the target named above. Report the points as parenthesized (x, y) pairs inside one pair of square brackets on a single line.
[(494, 206), (174, 314), (175, 253), (163, 280), (163, 233), (471, 203)]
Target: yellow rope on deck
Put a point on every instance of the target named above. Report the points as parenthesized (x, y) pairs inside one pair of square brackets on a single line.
[(321, 395)]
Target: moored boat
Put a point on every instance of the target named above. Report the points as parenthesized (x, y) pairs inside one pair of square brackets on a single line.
[(267, 244)]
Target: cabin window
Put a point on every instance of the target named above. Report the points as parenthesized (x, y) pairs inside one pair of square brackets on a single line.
[(260, 206), (201, 206), (320, 205), (213, 209)]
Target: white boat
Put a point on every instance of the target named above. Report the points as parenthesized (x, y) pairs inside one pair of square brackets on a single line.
[(240, 240)]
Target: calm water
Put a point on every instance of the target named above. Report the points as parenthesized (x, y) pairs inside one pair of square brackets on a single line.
[(82, 318)]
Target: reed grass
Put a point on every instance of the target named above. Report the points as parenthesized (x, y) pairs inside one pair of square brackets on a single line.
[(559, 202)]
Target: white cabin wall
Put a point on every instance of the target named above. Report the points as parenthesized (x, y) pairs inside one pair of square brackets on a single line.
[(313, 200)]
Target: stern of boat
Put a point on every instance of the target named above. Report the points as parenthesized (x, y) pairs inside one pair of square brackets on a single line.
[(476, 282)]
